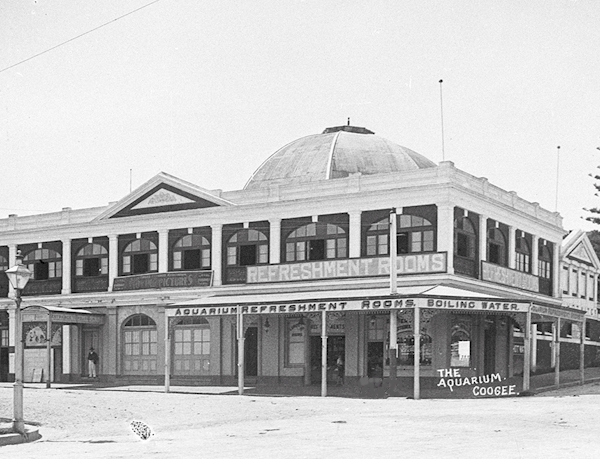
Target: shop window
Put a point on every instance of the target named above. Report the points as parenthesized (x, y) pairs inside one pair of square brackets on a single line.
[(316, 241), (296, 338), (522, 254), (91, 260), (460, 341), (564, 279), (588, 329), (139, 345), (44, 263), (406, 349), (191, 252), (247, 247), (544, 328), (496, 247), (139, 257), (191, 346)]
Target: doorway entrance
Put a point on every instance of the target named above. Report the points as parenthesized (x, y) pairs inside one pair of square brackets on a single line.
[(91, 338), (489, 346), (375, 359), (336, 356), (251, 352)]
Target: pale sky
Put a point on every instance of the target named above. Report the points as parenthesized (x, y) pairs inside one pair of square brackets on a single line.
[(206, 91)]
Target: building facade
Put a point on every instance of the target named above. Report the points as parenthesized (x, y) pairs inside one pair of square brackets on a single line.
[(339, 243)]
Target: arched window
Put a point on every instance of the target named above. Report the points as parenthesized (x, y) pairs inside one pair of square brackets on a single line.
[(44, 263), (247, 247), (91, 260), (465, 238), (316, 241), (139, 345), (522, 253), (191, 252), (496, 247), (191, 346), (378, 235), (140, 256), (414, 234), (544, 261)]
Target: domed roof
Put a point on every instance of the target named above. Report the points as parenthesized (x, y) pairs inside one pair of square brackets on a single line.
[(336, 152)]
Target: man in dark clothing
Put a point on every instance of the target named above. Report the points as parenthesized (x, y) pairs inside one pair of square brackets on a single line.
[(92, 362)]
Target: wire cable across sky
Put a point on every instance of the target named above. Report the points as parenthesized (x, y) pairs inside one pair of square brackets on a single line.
[(77, 37)]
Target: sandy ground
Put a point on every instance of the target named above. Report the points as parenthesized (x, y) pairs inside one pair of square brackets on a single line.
[(96, 424)]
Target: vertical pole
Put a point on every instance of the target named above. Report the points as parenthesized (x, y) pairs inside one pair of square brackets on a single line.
[(49, 351), (323, 354), (442, 117), (18, 423), (393, 350), (240, 336), (307, 353), (167, 356), (527, 356), (556, 325), (582, 353), (417, 354)]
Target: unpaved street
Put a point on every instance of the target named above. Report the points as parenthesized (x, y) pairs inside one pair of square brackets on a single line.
[(95, 424)]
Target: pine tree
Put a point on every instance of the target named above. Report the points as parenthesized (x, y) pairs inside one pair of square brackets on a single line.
[(595, 211)]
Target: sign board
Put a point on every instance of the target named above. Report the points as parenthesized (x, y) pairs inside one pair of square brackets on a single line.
[(510, 277), (380, 304), (422, 263), (184, 279)]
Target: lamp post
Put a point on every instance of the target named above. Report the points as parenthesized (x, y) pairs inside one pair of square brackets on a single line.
[(18, 276)]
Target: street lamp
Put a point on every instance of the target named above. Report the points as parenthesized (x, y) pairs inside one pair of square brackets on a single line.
[(18, 276)]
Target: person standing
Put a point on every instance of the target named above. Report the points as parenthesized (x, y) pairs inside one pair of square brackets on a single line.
[(92, 363)]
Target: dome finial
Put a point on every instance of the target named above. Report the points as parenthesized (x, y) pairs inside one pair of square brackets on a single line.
[(348, 121)]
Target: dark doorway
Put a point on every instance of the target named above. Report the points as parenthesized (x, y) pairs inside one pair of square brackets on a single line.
[(3, 364), (336, 357), (251, 352), (375, 359), (247, 255), (58, 368), (489, 347)]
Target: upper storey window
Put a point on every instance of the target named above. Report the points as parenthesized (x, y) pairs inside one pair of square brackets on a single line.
[(414, 234), (316, 241), (247, 247), (496, 247), (140, 256), (465, 238), (544, 261), (522, 253), (91, 260), (191, 252), (44, 263)]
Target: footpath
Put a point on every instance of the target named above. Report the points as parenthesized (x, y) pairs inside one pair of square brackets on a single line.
[(372, 389)]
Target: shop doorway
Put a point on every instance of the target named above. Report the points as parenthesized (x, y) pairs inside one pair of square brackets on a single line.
[(251, 352), (336, 358), (489, 347), (90, 339), (3, 354), (375, 359)]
